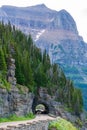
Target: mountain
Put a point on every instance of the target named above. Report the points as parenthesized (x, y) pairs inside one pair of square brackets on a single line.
[(55, 31)]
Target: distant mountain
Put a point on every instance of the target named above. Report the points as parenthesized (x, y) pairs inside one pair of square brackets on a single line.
[(55, 31)]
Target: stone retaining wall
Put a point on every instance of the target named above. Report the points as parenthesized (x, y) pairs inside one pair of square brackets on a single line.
[(40, 125)]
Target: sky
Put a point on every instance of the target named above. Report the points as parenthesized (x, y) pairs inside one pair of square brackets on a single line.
[(77, 8)]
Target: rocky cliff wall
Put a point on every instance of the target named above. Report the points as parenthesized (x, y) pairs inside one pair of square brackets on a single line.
[(14, 102)]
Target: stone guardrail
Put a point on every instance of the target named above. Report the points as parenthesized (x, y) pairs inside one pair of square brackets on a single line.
[(35, 125)]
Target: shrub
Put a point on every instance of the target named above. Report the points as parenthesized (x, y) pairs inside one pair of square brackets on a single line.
[(61, 124)]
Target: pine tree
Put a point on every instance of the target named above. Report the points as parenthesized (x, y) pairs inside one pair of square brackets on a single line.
[(3, 66), (77, 101), (40, 76), (19, 75)]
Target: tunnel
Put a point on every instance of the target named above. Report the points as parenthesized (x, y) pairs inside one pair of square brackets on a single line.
[(40, 107)]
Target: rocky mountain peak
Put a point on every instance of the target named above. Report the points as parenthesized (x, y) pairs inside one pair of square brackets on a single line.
[(41, 6), (66, 21)]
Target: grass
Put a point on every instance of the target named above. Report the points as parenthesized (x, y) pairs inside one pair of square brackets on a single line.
[(61, 124), (17, 118)]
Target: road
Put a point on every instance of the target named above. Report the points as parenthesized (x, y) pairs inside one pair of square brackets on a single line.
[(16, 123)]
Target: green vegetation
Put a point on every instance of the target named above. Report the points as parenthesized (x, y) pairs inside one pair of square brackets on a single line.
[(61, 124), (4, 84), (17, 118), (33, 68), (79, 123)]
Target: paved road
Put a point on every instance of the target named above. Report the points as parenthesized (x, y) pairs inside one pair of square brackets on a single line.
[(16, 123)]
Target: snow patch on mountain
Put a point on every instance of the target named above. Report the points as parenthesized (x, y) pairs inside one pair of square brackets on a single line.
[(39, 34)]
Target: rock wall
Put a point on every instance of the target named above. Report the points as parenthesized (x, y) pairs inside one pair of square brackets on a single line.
[(11, 73), (48, 101), (14, 102), (4, 104), (35, 125)]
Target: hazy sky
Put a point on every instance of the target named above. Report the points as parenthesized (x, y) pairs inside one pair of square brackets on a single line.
[(77, 8)]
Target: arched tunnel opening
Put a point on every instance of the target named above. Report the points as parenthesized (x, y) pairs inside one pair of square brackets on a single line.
[(40, 107)]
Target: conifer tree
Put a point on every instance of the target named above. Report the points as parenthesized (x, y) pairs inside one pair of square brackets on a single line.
[(3, 66), (77, 102), (40, 76)]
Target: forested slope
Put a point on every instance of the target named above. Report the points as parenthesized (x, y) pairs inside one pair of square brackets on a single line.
[(33, 69)]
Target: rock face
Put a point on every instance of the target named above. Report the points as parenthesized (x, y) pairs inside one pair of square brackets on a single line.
[(11, 73), (15, 103), (64, 21), (55, 31), (35, 19)]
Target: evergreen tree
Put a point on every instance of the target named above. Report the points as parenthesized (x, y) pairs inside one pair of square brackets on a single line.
[(3, 66), (46, 61), (19, 75), (77, 102), (40, 76)]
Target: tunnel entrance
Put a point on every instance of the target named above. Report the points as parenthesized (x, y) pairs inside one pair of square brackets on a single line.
[(40, 107)]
